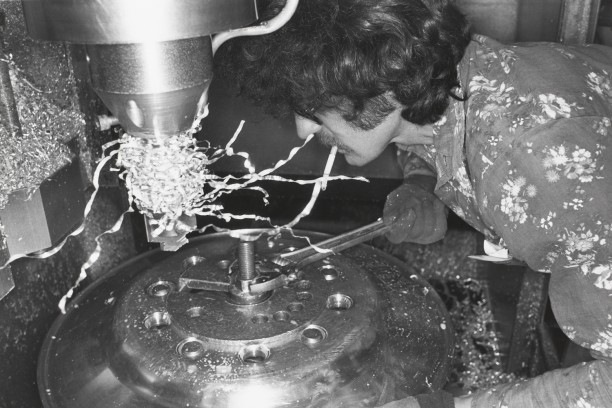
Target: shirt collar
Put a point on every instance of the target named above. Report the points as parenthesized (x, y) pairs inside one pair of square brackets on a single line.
[(449, 139), (449, 131)]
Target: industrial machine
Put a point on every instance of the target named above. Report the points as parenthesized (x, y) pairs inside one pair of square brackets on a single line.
[(228, 322), (233, 318), (150, 62)]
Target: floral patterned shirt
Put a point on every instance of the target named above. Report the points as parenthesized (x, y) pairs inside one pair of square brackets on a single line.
[(527, 160)]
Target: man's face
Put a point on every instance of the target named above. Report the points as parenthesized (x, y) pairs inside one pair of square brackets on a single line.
[(358, 146)]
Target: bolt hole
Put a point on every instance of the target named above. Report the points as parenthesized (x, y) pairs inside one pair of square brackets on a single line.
[(295, 307), (282, 316), (160, 289), (259, 319), (192, 261), (254, 354), (304, 296), (157, 321), (303, 285), (191, 348), (313, 335), (196, 311), (330, 272), (339, 302)]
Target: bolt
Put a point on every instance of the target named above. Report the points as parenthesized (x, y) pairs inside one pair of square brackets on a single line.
[(246, 260)]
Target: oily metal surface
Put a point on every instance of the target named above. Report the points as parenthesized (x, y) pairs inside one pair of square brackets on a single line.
[(358, 329)]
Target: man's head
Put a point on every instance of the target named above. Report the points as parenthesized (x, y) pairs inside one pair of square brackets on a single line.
[(360, 60)]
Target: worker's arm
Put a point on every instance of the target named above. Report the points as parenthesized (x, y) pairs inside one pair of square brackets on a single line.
[(412, 210), (548, 197)]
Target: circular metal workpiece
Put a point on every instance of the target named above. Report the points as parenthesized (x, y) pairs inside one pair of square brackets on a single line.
[(373, 333)]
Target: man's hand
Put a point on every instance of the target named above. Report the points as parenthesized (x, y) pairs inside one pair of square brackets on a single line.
[(414, 213)]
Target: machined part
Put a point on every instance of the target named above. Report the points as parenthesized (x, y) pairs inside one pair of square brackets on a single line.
[(368, 333), (246, 260), (121, 21), (152, 88), (174, 239), (249, 282)]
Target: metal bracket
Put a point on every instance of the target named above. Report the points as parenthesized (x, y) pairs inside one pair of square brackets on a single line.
[(578, 21), (172, 240), (7, 284)]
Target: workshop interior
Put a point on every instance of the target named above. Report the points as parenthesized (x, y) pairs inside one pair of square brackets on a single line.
[(104, 306)]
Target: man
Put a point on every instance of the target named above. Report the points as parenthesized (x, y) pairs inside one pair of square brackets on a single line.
[(517, 140)]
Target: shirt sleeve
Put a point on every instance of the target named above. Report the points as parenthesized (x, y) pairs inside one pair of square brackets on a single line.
[(548, 197)]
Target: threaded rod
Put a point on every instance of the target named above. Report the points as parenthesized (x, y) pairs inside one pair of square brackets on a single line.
[(246, 260)]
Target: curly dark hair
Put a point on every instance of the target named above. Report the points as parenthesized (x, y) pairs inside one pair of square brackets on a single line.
[(350, 55)]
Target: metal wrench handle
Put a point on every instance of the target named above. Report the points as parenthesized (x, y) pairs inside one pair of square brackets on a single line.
[(333, 245)]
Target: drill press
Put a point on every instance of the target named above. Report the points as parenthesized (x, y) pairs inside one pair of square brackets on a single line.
[(219, 324), (150, 62)]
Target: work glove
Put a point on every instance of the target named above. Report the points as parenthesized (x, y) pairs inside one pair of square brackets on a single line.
[(439, 399), (414, 213)]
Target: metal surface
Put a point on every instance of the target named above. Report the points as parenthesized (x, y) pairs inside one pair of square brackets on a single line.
[(152, 88), (28, 311), (530, 310), (578, 21), (133, 21), (357, 329), (32, 219), (35, 221), (150, 61)]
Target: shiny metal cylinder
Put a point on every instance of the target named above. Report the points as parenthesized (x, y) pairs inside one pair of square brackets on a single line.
[(150, 60), (152, 88), (133, 21)]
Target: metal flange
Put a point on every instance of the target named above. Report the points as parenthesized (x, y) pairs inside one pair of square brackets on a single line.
[(356, 329)]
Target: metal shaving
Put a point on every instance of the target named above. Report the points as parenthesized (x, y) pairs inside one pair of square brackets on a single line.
[(479, 353), (478, 358), (41, 147), (165, 177), (168, 178)]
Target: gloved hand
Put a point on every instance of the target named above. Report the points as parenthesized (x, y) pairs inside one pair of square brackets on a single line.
[(414, 213)]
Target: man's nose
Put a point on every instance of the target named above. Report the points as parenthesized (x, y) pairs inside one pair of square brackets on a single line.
[(305, 127)]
